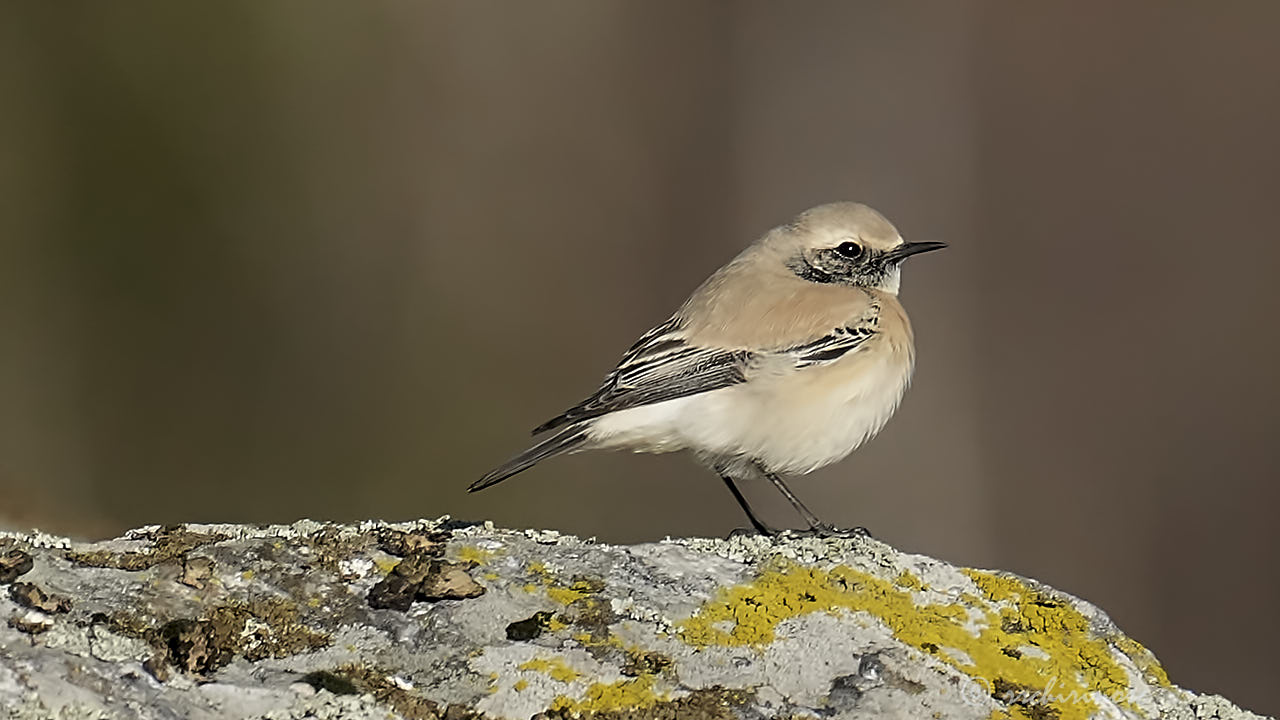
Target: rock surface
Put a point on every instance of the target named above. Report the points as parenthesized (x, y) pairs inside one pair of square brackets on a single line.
[(446, 620)]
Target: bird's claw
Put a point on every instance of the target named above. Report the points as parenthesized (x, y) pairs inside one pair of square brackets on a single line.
[(823, 530), (819, 530), (753, 532)]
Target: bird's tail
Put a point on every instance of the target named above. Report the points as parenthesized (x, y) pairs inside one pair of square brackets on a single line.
[(567, 440)]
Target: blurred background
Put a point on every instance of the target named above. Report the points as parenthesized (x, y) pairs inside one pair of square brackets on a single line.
[(264, 261)]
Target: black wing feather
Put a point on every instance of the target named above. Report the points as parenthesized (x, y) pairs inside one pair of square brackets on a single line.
[(661, 366), (834, 346)]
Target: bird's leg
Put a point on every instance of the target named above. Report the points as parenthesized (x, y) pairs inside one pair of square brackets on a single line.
[(816, 526), (746, 507), (806, 513)]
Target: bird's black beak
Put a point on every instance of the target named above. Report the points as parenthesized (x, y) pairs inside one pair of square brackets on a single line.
[(906, 250)]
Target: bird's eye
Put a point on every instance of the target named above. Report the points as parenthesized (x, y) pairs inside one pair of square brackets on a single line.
[(849, 249)]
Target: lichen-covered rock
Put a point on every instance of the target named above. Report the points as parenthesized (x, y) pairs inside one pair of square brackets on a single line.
[(448, 620)]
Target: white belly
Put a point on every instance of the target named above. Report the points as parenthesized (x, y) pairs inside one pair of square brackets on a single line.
[(790, 423)]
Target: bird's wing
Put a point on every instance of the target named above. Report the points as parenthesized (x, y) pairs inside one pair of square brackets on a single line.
[(664, 365), (838, 343)]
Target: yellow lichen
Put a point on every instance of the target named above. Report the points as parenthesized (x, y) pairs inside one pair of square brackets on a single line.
[(1151, 670), (554, 667), (908, 581), (520, 685), (609, 697), (601, 638), (474, 554), (557, 590), (1072, 664), (565, 595)]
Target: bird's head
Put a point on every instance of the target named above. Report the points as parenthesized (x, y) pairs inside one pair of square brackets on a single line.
[(846, 243)]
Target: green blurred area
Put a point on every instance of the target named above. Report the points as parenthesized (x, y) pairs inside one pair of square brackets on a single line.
[(263, 261)]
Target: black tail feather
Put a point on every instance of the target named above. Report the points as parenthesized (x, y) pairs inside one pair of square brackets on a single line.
[(564, 441)]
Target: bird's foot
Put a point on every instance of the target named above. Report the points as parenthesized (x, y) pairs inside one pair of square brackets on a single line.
[(761, 531), (823, 530), (819, 530)]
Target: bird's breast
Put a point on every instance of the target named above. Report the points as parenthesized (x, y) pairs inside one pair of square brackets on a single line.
[(818, 416)]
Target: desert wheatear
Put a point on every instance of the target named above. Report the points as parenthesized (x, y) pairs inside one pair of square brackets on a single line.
[(785, 360)]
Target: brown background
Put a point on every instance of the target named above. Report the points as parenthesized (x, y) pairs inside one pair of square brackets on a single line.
[(263, 261)]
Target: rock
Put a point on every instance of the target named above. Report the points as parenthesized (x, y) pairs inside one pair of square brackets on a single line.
[(450, 621), (13, 564), (196, 572), (30, 596)]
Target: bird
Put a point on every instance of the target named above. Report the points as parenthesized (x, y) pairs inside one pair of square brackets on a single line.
[(785, 360)]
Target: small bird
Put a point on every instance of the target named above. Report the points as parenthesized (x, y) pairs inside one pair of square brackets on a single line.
[(784, 361)]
